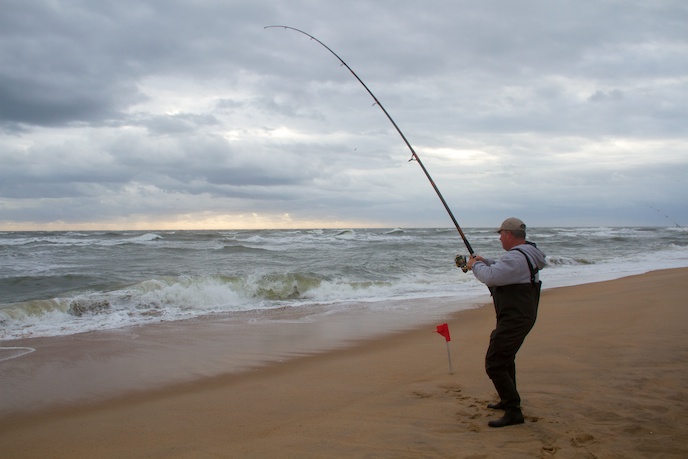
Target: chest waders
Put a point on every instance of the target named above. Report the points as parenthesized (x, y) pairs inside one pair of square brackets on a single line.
[(516, 308)]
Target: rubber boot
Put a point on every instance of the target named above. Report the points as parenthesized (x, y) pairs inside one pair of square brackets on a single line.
[(501, 405), (511, 417)]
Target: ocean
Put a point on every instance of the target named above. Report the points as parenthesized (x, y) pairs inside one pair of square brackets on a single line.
[(69, 283)]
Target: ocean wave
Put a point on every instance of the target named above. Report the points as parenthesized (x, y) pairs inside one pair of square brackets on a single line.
[(345, 234), (243, 249), (79, 307), (182, 297), (142, 239), (73, 282), (79, 239), (566, 261), (35, 308)]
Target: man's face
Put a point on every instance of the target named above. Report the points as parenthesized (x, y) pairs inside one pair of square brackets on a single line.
[(507, 239)]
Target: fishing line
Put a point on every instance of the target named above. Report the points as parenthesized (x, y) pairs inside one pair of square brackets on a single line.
[(668, 217), (414, 155)]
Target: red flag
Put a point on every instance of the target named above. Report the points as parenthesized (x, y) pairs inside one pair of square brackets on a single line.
[(444, 331)]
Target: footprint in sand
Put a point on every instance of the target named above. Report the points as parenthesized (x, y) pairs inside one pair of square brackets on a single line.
[(582, 439), (550, 450), (473, 427), (467, 415)]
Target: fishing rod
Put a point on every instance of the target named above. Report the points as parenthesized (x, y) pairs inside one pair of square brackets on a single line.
[(460, 261), (668, 217)]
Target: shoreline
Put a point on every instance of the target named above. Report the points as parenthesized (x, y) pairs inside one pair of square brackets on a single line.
[(603, 373), (47, 373)]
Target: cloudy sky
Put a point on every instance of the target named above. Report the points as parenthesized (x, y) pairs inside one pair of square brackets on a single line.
[(169, 114)]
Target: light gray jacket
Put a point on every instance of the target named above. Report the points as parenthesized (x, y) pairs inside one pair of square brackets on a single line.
[(512, 268)]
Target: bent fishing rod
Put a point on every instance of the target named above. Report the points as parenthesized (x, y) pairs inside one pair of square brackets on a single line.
[(414, 155)]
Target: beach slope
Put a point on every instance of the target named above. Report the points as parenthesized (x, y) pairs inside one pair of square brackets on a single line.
[(604, 373)]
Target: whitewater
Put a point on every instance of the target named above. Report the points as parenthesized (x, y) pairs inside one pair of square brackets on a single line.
[(66, 283)]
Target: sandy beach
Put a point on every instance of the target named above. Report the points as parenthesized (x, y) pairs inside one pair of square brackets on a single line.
[(604, 374)]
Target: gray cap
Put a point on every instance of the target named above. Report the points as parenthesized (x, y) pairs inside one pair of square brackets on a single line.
[(512, 224)]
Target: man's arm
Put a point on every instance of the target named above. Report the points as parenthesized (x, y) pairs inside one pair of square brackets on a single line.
[(510, 269)]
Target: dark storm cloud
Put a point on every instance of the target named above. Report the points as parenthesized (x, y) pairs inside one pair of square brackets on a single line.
[(116, 109)]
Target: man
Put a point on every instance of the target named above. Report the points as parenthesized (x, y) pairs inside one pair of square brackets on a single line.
[(515, 287)]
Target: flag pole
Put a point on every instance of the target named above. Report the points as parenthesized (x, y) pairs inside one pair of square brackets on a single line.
[(451, 372)]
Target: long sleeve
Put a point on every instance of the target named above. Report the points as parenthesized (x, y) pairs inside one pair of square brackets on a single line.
[(512, 268)]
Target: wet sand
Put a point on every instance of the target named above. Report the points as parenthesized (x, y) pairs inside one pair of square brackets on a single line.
[(604, 373)]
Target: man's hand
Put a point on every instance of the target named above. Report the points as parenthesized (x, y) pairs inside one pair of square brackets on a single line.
[(473, 260)]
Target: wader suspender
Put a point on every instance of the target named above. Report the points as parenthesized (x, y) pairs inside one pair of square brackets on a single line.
[(533, 271)]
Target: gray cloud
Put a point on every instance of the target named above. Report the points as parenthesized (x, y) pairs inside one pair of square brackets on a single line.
[(156, 112)]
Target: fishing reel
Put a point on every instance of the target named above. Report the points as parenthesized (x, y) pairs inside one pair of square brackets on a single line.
[(461, 262)]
